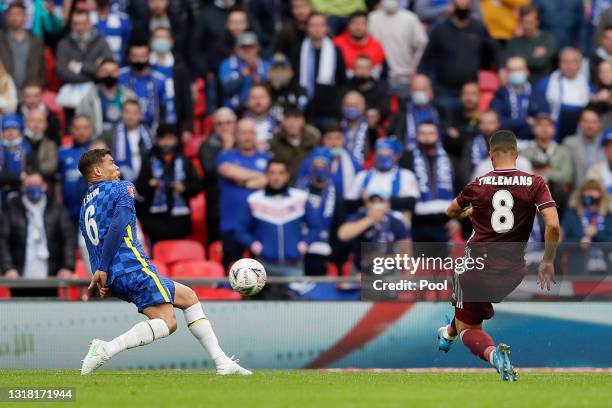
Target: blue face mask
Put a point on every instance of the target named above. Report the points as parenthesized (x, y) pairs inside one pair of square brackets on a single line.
[(336, 151), (517, 78), (419, 98), (350, 113), (161, 46), (12, 143), (319, 174), (34, 193), (384, 163)]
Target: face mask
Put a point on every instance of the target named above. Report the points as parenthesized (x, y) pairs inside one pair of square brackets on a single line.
[(225, 4), (517, 78), (384, 163), (419, 98), (12, 143), (351, 113), (428, 148), (336, 151), (462, 13), (166, 149), (378, 206), (81, 38), (278, 79), (588, 201), (363, 80), (109, 81), (161, 46), (34, 193), (35, 137), (390, 6), (138, 65), (319, 174)]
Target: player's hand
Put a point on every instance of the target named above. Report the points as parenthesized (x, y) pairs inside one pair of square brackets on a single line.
[(591, 230), (546, 275), (302, 247), (105, 292), (178, 187), (154, 183), (256, 248), (99, 280), (467, 213), (11, 274)]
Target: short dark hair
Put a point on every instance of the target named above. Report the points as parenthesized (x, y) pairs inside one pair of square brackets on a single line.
[(166, 129), (315, 14), (131, 101), (81, 116), (357, 14), (277, 161), (108, 60), (503, 141), (33, 82), (292, 110), (90, 159), (79, 11), (16, 4), (427, 122), (332, 126), (591, 108), (529, 9)]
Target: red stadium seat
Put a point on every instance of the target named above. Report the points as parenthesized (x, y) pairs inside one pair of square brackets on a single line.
[(162, 268), (488, 81), (198, 223), (215, 251), (192, 148), (173, 251), (53, 83), (5, 293), (75, 292), (332, 269), (50, 100), (199, 269)]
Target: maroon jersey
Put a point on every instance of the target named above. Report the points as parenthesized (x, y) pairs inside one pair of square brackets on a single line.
[(504, 205)]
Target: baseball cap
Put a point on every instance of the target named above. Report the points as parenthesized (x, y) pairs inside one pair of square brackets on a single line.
[(388, 143), (279, 59), (248, 38), (12, 122), (323, 154)]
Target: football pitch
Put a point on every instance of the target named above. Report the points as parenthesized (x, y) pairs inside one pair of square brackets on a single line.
[(321, 389)]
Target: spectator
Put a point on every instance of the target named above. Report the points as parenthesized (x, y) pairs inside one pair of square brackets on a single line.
[(42, 149), (21, 52), (240, 71), (500, 18), (375, 91), (602, 99), (258, 106), (71, 186), (585, 146), (404, 40), (166, 182), (550, 160), (294, 140), (222, 139), (268, 17), (104, 102), (386, 177), (517, 103), (278, 223), (177, 80), (460, 42), (31, 99), (375, 223), (130, 141), (113, 25), (149, 86), (536, 46), (462, 124), (601, 53), (327, 204), (320, 68), (587, 221), (562, 19), (241, 171), (359, 136), (567, 92), (418, 109), (293, 32), (36, 238), (432, 11), (79, 53), (8, 92), (338, 11), (284, 88), (434, 174), (343, 166), (15, 157), (356, 41), (602, 170)]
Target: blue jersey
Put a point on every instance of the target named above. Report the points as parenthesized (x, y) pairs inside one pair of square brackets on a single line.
[(99, 206)]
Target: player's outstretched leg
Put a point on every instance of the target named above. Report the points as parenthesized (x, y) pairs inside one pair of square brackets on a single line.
[(200, 327), (161, 324), (482, 345), (447, 336)]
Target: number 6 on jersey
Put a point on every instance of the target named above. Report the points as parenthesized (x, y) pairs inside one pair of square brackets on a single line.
[(90, 225)]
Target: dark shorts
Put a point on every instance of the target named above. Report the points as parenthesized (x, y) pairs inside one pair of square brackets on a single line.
[(144, 288), (474, 313)]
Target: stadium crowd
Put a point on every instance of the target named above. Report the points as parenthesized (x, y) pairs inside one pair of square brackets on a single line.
[(306, 126)]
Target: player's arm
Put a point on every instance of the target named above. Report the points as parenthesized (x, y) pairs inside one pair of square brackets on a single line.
[(552, 231), (455, 211)]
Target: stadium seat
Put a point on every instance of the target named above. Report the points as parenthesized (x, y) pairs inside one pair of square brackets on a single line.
[(75, 292), (53, 83), (332, 269), (49, 99), (489, 84), (5, 293), (162, 268), (199, 107), (215, 251), (198, 223), (199, 269), (192, 148), (173, 251)]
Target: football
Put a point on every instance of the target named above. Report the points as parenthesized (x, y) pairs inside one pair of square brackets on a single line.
[(247, 276)]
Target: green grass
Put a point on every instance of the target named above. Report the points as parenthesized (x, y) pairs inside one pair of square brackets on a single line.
[(300, 389)]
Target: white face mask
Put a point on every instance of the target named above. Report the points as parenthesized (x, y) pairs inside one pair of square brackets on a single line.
[(390, 6), (225, 4)]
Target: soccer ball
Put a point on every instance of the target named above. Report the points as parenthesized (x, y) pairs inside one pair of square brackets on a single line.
[(247, 276)]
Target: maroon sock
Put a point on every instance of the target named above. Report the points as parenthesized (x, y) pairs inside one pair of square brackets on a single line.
[(452, 329), (479, 342)]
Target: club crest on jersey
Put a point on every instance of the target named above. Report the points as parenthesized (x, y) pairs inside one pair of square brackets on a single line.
[(132, 191)]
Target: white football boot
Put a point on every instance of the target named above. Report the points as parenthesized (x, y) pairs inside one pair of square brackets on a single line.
[(231, 367), (96, 356)]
